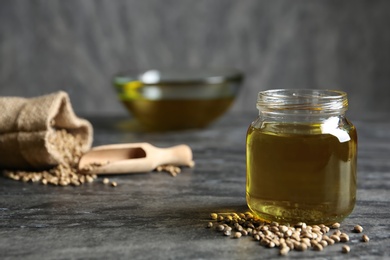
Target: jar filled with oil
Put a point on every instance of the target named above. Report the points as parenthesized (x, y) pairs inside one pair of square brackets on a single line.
[(301, 157)]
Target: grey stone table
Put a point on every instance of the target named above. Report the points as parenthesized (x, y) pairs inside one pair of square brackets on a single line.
[(156, 216)]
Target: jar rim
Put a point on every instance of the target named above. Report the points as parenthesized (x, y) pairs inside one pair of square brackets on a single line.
[(320, 100)]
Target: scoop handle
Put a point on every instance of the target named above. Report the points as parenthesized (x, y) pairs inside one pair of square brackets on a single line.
[(180, 155)]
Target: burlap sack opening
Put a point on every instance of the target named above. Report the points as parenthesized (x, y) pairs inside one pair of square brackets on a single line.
[(26, 125)]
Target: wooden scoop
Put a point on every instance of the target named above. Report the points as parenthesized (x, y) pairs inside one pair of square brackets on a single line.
[(133, 158)]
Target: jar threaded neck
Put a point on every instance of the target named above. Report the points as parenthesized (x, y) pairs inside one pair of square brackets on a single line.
[(311, 101)]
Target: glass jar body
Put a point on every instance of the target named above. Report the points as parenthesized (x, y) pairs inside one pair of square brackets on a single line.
[(301, 167)]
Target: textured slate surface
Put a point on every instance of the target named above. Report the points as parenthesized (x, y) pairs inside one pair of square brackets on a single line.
[(47, 45), (156, 216)]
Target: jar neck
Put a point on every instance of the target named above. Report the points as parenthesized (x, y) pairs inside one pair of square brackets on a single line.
[(301, 105)]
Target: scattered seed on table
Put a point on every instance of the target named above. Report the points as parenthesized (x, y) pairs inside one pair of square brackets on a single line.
[(106, 180), (365, 238), (337, 233), (209, 225), (306, 241), (323, 243), (318, 247), (114, 184), (358, 229), (227, 232), (335, 225), (271, 244), (220, 228), (300, 237), (345, 249), (237, 235), (329, 241), (344, 237), (263, 241), (213, 216), (301, 247), (171, 169), (89, 178), (335, 238), (290, 244), (284, 250), (227, 228)]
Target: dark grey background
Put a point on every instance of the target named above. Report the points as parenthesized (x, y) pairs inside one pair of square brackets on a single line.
[(77, 45)]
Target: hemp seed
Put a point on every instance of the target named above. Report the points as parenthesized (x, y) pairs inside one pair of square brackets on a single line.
[(345, 249), (337, 233), (344, 237), (271, 244), (237, 235), (365, 238), (244, 232), (318, 247), (323, 243), (358, 229), (301, 247), (335, 225), (284, 250), (227, 232), (335, 238), (220, 228), (171, 169), (213, 216)]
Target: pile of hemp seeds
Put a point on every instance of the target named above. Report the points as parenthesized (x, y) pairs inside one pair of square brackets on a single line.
[(299, 237), (67, 173)]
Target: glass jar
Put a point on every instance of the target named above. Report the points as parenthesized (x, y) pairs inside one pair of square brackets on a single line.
[(301, 157)]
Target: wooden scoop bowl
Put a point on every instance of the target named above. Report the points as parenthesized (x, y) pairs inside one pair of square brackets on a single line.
[(133, 158)]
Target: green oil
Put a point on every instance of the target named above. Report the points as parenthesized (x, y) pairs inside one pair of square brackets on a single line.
[(177, 114), (298, 173)]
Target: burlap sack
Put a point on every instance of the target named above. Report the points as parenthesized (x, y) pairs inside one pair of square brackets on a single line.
[(25, 125)]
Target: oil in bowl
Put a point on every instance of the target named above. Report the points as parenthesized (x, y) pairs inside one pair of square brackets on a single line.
[(176, 100)]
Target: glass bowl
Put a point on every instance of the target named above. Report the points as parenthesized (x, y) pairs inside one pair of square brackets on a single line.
[(172, 100)]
